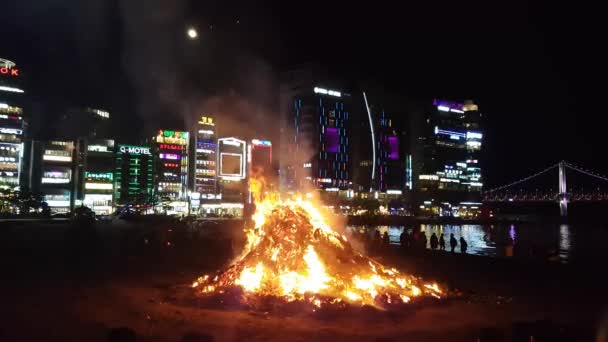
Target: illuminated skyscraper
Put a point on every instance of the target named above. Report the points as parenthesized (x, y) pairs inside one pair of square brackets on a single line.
[(171, 180), (316, 138), (259, 157), (98, 177), (13, 126), (390, 161), (133, 175), (57, 178), (205, 173), (232, 175), (451, 171)]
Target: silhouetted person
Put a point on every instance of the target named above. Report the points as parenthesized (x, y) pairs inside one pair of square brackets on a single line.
[(385, 239), (434, 242), (453, 242), (423, 240), (463, 245), (441, 242), (404, 239)]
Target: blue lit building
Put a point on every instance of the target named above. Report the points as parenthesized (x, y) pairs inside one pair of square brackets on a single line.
[(450, 177), (316, 136)]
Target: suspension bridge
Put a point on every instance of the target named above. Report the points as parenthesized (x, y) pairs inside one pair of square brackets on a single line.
[(574, 184)]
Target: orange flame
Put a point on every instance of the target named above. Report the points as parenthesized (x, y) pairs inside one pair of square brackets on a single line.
[(291, 251)]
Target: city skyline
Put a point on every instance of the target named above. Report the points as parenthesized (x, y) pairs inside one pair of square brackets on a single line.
[(453, 61)]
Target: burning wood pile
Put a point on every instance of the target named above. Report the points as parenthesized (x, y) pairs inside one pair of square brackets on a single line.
[(293, 254)]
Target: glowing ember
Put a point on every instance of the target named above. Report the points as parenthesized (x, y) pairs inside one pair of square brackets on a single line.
[(291, 252)]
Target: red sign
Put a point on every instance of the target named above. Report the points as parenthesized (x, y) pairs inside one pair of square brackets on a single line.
[(9, 71), (170, 147)]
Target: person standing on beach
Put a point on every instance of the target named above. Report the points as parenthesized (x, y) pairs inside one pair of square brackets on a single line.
[(434, 241), (441, 242), (423, 240), (453, 242), (463, 245), (403, 238), (385, 239)]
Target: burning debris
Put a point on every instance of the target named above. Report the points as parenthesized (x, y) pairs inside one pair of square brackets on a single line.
[(291, 253)]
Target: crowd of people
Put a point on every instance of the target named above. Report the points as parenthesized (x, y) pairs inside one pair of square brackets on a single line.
[(415, 241), (419, 240)]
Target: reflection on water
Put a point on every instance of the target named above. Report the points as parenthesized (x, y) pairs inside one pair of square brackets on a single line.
[(564, 241), (512, 233), (546, 242)]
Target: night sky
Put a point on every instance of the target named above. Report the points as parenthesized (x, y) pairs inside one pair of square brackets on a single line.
[(531, 68)]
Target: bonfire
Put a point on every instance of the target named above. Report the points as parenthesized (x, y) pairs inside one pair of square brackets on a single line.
[(292, 253)]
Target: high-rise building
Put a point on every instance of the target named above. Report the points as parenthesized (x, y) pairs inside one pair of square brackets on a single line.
[(98, 177), (259, 158), (316, 135), (56, 174), (232, 175), (171, 181), (451, 171), (205, 172), (134, 175), (388, 168), (13, 126)]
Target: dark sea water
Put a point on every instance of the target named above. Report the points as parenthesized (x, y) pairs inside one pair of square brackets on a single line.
[(549, 242)]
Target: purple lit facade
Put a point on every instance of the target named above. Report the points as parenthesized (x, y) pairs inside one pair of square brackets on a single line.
[(393, 147), (448, 104), (332, 140), (389, 167)]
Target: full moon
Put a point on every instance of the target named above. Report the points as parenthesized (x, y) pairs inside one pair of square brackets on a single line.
[(192, 34)]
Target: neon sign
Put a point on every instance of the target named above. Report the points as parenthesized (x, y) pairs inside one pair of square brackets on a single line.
[(258, 142), (448, 106), (97, 148), (172, 137), (99, 176), (8, 68), (205, 120), (11, 131), (236, 143), (324, 91), (7, 71), (169, 156), (170, 147), (136, 150)]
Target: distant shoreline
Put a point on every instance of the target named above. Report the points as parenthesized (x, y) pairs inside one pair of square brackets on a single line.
[(408, 220)]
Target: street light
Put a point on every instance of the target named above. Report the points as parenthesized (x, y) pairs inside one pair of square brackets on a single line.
[(192, 34)]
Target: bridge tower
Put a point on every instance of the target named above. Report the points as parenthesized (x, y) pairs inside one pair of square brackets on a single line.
[(563, 190)]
